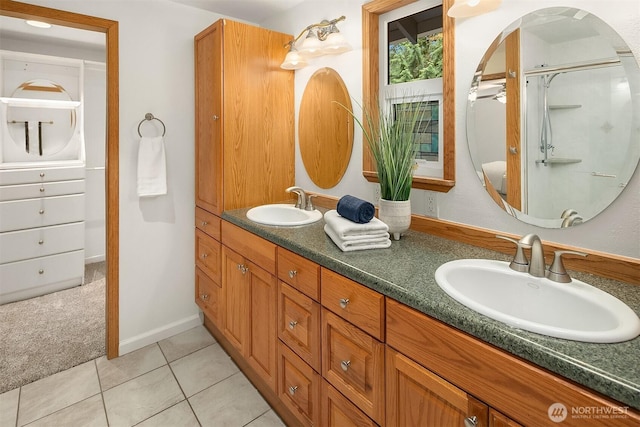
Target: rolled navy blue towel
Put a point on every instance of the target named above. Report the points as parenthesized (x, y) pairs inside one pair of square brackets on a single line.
[(355, 209)]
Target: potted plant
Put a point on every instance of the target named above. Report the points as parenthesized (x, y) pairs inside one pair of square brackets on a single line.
[(393, 139)]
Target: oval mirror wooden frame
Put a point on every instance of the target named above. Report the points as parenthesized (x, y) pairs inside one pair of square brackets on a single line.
[(325, 129)]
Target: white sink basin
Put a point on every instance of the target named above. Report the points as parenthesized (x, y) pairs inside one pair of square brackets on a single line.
[(574, 311), (283, 215)]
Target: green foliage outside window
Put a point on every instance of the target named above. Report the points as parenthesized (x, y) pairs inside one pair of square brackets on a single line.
[(420, 61)]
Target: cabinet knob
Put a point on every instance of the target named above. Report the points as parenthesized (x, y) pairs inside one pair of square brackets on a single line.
[(292, 324), (243, 268), (293, 389), (204, 297), (41, 271), (40, 242), (215, 117), (471, 421), (204, 256), (41, 174), (344, 302), (205, 223), (292, 274), (41, 211), (345, 365), (42, 189)]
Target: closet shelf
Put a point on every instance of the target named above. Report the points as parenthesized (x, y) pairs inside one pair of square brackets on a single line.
[(39, 103)]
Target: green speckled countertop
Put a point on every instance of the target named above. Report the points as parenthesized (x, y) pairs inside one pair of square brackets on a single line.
[(405, 272)]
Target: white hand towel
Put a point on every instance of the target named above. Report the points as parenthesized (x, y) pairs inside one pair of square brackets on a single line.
[(152, 167), (359, 244), (348, 230)]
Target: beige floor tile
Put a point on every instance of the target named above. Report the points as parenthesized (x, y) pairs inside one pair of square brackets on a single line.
[(230, 403), (124, 368), (142, 397), (270, 419), (179, 415), (9, 407), (203, 369), (185, 343), (87, 413), (51, 394)]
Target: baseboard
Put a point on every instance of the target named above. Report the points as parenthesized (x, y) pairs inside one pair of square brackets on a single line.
[(158, 334)]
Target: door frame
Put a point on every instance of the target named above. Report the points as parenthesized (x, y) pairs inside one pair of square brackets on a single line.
[(110, 29)]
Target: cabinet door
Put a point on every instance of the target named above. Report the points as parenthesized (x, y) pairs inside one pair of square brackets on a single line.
[(418, 397), (208, 98), (338, 411), (208, 255), (235, 288), (208, 294), (261, 317), (298, 387)]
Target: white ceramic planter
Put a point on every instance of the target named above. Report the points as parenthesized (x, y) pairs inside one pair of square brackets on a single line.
[(396, 214)]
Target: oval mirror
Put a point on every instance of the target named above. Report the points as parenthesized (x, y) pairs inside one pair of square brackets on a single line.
[(553, 118), (325, 129)]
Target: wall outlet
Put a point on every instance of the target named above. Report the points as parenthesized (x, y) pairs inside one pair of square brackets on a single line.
[(431, 204), (376, 194)]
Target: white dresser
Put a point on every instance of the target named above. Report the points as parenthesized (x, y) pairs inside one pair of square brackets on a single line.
[(42, 213)]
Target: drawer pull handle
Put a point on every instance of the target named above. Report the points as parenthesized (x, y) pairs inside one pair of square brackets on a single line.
[(215, 117), (204, 256), (293, 389), (345, 365), (41, 271), (40, 242), (292, 274), (344, 302), (204, 297), (292, 324), (471, 421), (41, 211), (205, 223), (243, 268), (42, 190), (41, 174)]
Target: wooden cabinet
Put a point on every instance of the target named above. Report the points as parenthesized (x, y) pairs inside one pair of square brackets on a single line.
[(209, 296), (338, 411), (244, 117), (300, 273)]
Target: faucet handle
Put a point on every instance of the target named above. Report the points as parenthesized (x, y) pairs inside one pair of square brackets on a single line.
[(556, 271), (519, 262), (309, 206)]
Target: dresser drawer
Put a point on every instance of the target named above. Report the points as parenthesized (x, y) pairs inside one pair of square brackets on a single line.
[(358, 304), (42, 241), (34, 175), (26, 279), (338, 411), (299, 324), (298, 387), (45, 189), (30, 213), (208, 256), (353, 362), (209, 297), (299, 272), (208, 222), (258, 250)]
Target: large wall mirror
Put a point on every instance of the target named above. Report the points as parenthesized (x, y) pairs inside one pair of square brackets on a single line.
[(553, 118)]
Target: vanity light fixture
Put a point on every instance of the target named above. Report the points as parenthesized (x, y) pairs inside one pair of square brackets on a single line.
[(322, 38), (468, 8), (38, 24)]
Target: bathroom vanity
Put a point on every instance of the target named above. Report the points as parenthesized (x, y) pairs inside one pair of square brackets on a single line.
[(368, 338)]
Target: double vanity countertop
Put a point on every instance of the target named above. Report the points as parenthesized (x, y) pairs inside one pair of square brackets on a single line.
[(406, 273)]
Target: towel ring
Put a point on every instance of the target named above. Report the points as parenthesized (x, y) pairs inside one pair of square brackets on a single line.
[(150, 117)]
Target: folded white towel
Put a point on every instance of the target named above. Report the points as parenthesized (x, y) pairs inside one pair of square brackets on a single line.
[(357, 244), (346, 229), (152, 167)]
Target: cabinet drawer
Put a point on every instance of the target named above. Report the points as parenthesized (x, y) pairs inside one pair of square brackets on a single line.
[(208, 256), (45, 189), (353, 362), (30, 213), (299, 324), (208, 222), (299, 272), (338, 411), (208, 297), (298, 387), (356, 303), (34, 175), (26, 279), (258, 250), (37, 242)]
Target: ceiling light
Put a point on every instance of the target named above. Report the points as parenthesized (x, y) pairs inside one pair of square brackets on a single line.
[(468, 8), (38, 24)]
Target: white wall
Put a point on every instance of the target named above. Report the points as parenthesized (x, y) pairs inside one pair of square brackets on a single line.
[(616, 230)]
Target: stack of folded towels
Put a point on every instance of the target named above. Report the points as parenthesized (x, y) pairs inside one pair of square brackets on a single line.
[(352, 226)]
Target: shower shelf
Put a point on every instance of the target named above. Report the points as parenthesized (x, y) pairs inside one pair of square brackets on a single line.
[(564, 107), (558, 161)]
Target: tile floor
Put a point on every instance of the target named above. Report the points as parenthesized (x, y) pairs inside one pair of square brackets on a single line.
[(185, 380)]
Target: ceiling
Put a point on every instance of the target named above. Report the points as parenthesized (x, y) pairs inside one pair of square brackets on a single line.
[(254, 11)]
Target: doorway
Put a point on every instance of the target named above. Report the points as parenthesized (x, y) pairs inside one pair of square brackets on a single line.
[(110, 29)]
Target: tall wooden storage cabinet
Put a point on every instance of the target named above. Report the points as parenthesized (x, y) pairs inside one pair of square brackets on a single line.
[(244, 117)]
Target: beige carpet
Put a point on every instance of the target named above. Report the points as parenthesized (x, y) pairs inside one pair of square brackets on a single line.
[(51, 333)]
